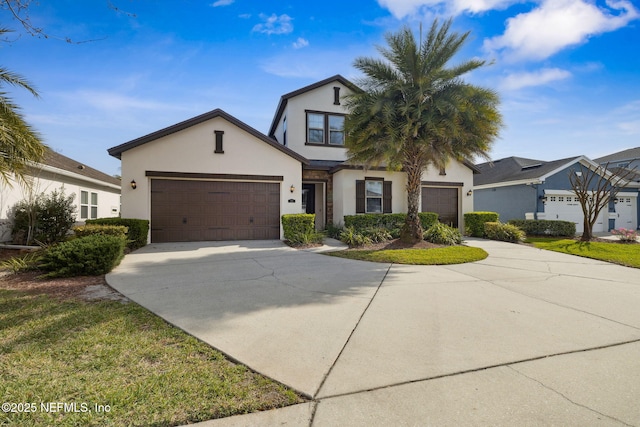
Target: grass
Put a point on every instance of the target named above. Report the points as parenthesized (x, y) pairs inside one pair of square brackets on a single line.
[(618, 253), (434, 256), (119, 356)]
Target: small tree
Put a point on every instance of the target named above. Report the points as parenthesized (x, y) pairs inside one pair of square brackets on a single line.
[(595, 187)]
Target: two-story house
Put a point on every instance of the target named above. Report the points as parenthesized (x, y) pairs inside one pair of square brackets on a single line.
[(213, 177)]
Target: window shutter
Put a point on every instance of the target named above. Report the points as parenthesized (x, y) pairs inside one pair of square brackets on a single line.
[(386, 197), (360, 199)]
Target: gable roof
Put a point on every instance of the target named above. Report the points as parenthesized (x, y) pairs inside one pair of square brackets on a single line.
[(518, 169), (58, 161), (284, 99), (625, 155), (118, 150)]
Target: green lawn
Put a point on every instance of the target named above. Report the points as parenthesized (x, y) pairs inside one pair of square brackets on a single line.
[(618, 253), (140, 369), (435, 256)]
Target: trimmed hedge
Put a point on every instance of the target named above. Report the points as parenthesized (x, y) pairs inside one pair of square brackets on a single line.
[(503, 232), (299, 229), (104, 230), (474, 222), (388, 221), (137, 229), (545, 227), (85, 256)]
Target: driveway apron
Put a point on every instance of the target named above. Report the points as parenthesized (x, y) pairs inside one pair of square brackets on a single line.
[(524, 337)]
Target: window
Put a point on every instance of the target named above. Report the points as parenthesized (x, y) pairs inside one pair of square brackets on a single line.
[(552, 199), (373, 195), (219, 134), (324, 128), (284, 131), (561, 198), (88, 205)]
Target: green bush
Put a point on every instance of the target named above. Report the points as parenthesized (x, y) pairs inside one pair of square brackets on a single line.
[(105, 230), (333, 230), (389, 221), (50, 216), (137, 229), (545, 227), (377, 234), (86, 256), (474, 222), (299, 229), (26, 262), (442, 234), (503, 232), (354, 239)]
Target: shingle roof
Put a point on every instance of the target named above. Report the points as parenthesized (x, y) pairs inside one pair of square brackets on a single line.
[(516, 169), (59, 161), (630, 154)]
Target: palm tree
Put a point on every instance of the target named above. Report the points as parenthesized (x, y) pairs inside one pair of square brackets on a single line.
[(414, 112), (19, 143)]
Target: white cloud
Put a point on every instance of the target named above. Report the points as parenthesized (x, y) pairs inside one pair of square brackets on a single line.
[(627, 118), (536, 78), (558, 24), (274, 24), (300, 43), (403, 8), (222, 3)]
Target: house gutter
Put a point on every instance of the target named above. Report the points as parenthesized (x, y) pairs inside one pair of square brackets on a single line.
[(508, 184)]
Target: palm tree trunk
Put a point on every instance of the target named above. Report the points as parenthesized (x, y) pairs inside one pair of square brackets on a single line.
[(412, 230)]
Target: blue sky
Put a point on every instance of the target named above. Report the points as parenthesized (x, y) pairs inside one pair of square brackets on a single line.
[(567, 71)]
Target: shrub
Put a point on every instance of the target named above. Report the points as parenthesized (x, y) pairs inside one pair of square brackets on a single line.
[(353, 238), (50, 217), (105, 230), (545, 227), (474, 222), (503, 232), (625, 235), (25, 262), (333, 230), (377, 234), (442, 234), (388, 221), (299, 229), (86, 256), (137, 229)]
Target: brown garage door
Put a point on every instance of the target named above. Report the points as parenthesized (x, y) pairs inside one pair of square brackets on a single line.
[(185, 211), (443, 201)]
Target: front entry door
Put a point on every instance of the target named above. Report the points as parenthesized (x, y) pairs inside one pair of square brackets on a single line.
[(309, 198)]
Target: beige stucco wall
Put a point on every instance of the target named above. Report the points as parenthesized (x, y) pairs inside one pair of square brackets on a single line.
[(192, 151), (50, 180), (344, 188), (320, 99)]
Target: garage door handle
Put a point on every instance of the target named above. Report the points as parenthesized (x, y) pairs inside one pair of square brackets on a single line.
[(184, 220), (251, 220)]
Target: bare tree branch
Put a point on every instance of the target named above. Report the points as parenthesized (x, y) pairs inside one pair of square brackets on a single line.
[(595, 188)]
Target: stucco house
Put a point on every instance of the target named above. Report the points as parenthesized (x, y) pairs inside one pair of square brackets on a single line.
[(97, 195), (519, 188), (213, 177)]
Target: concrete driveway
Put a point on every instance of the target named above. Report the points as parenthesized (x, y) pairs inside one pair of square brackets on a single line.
[(525, 337)]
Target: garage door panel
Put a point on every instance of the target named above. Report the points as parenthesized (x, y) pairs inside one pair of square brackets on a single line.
[(443, 201), (214, 210)]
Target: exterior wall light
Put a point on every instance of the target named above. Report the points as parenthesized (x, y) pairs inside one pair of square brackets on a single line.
[(292, 188), (543, 199), (133, 184), (469, 193)]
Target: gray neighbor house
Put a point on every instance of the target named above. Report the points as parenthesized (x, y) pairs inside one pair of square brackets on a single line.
[(519, 188)]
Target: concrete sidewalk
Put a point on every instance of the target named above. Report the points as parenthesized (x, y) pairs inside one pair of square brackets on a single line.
[(524, 337)]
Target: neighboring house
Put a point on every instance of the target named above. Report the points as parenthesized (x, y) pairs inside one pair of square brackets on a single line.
[(519, 188), (214, 177), (97, 195)]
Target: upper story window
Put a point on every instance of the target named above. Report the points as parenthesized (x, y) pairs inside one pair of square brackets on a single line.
[(325, 128)]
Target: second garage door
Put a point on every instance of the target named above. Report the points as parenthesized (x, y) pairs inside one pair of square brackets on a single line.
[(183, 211), (443, 201)]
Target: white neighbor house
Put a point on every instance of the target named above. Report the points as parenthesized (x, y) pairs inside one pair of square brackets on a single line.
[(97, 195), (213, 177)]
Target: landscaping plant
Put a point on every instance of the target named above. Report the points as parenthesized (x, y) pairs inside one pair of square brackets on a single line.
[(47, 219), (443, 234), (503, 232), (626, 235)]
